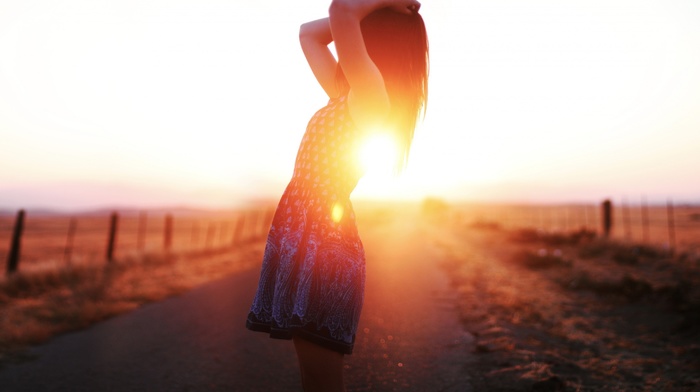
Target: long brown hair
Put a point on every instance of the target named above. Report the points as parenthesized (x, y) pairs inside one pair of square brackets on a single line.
[(398, 44)]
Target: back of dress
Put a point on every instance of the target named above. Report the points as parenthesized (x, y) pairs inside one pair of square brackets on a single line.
[(313, 273), (327, 157)]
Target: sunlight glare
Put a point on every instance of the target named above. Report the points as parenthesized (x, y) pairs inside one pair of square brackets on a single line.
[(378, 154), (337, 212)]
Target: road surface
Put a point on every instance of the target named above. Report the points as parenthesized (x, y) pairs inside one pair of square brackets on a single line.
[(409, 338)]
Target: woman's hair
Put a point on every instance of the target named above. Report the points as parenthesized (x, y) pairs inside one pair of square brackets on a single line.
[(398, 44)]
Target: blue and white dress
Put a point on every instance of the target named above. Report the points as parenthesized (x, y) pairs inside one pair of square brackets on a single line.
[(313, 271)]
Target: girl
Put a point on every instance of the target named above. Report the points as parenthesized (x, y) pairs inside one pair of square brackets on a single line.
[(313, 273)]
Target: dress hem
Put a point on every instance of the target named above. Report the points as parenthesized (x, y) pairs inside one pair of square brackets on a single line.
[(307, 332)]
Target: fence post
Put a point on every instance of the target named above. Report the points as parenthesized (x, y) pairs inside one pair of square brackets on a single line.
[(222, 232), (194, 237), (671, 227), (645, 221), (626, 221), (168, 235), (553, 219), (607, 217), (15, 245), (72, 226), (112, 236), (210, 236), (141, 236), (238, 231)]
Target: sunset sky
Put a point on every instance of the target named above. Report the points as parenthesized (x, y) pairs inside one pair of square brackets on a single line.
[(203, 103)]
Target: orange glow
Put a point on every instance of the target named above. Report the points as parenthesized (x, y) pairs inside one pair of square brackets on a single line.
[(337, 212), (166, 112), (378, 154)]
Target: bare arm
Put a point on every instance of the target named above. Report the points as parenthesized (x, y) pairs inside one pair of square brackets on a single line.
[(368, 99), (314, 37)]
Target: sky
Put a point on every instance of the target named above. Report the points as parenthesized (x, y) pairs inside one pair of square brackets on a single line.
[(147, 103)]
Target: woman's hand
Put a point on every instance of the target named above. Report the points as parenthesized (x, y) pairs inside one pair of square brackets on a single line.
[(368, 99), (361, 8), (405, 6)]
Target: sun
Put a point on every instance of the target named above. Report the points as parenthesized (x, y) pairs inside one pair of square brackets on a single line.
[(378, 154)]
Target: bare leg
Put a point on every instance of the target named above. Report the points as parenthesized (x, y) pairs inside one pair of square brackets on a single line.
[(321, 368)]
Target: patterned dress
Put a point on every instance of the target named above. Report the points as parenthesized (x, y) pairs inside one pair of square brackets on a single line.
[(313, 271)]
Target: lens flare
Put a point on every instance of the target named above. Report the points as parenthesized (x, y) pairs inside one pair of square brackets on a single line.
[(378, 154), (337, 212)]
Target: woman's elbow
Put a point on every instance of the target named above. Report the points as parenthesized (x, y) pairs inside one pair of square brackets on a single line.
[(338, 6)]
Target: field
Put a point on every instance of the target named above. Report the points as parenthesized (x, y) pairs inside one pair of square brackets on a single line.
[(46, 235), (552, 305), (573, 312), (55, 291), (628, 221)]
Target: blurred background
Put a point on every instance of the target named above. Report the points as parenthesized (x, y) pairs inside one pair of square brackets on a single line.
[(144, 145), (182, 103)]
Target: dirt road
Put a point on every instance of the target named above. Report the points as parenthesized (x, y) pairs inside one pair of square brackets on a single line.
[(409, 338)]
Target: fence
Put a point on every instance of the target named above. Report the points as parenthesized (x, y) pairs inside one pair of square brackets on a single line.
[(671, 226), (64, 240)]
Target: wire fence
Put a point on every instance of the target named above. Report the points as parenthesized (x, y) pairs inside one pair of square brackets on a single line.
[(65, 240), (670, 226), (29, 240)]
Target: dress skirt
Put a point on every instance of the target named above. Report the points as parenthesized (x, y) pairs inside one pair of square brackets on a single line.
[(313, 271)]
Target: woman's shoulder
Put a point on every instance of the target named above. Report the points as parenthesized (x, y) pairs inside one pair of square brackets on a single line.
[(338, 99), (337, 108), (337, 103)]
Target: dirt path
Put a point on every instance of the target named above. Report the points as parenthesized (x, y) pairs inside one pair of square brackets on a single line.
[(409, 337), (568, 312)]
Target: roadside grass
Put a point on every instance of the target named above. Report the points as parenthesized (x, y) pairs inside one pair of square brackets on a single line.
[(38, 304), (570, 311)]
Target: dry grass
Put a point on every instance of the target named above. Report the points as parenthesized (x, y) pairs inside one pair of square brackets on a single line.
[(627, 222), (53, 293), (39, 304), (551, 310), (573, 312)]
